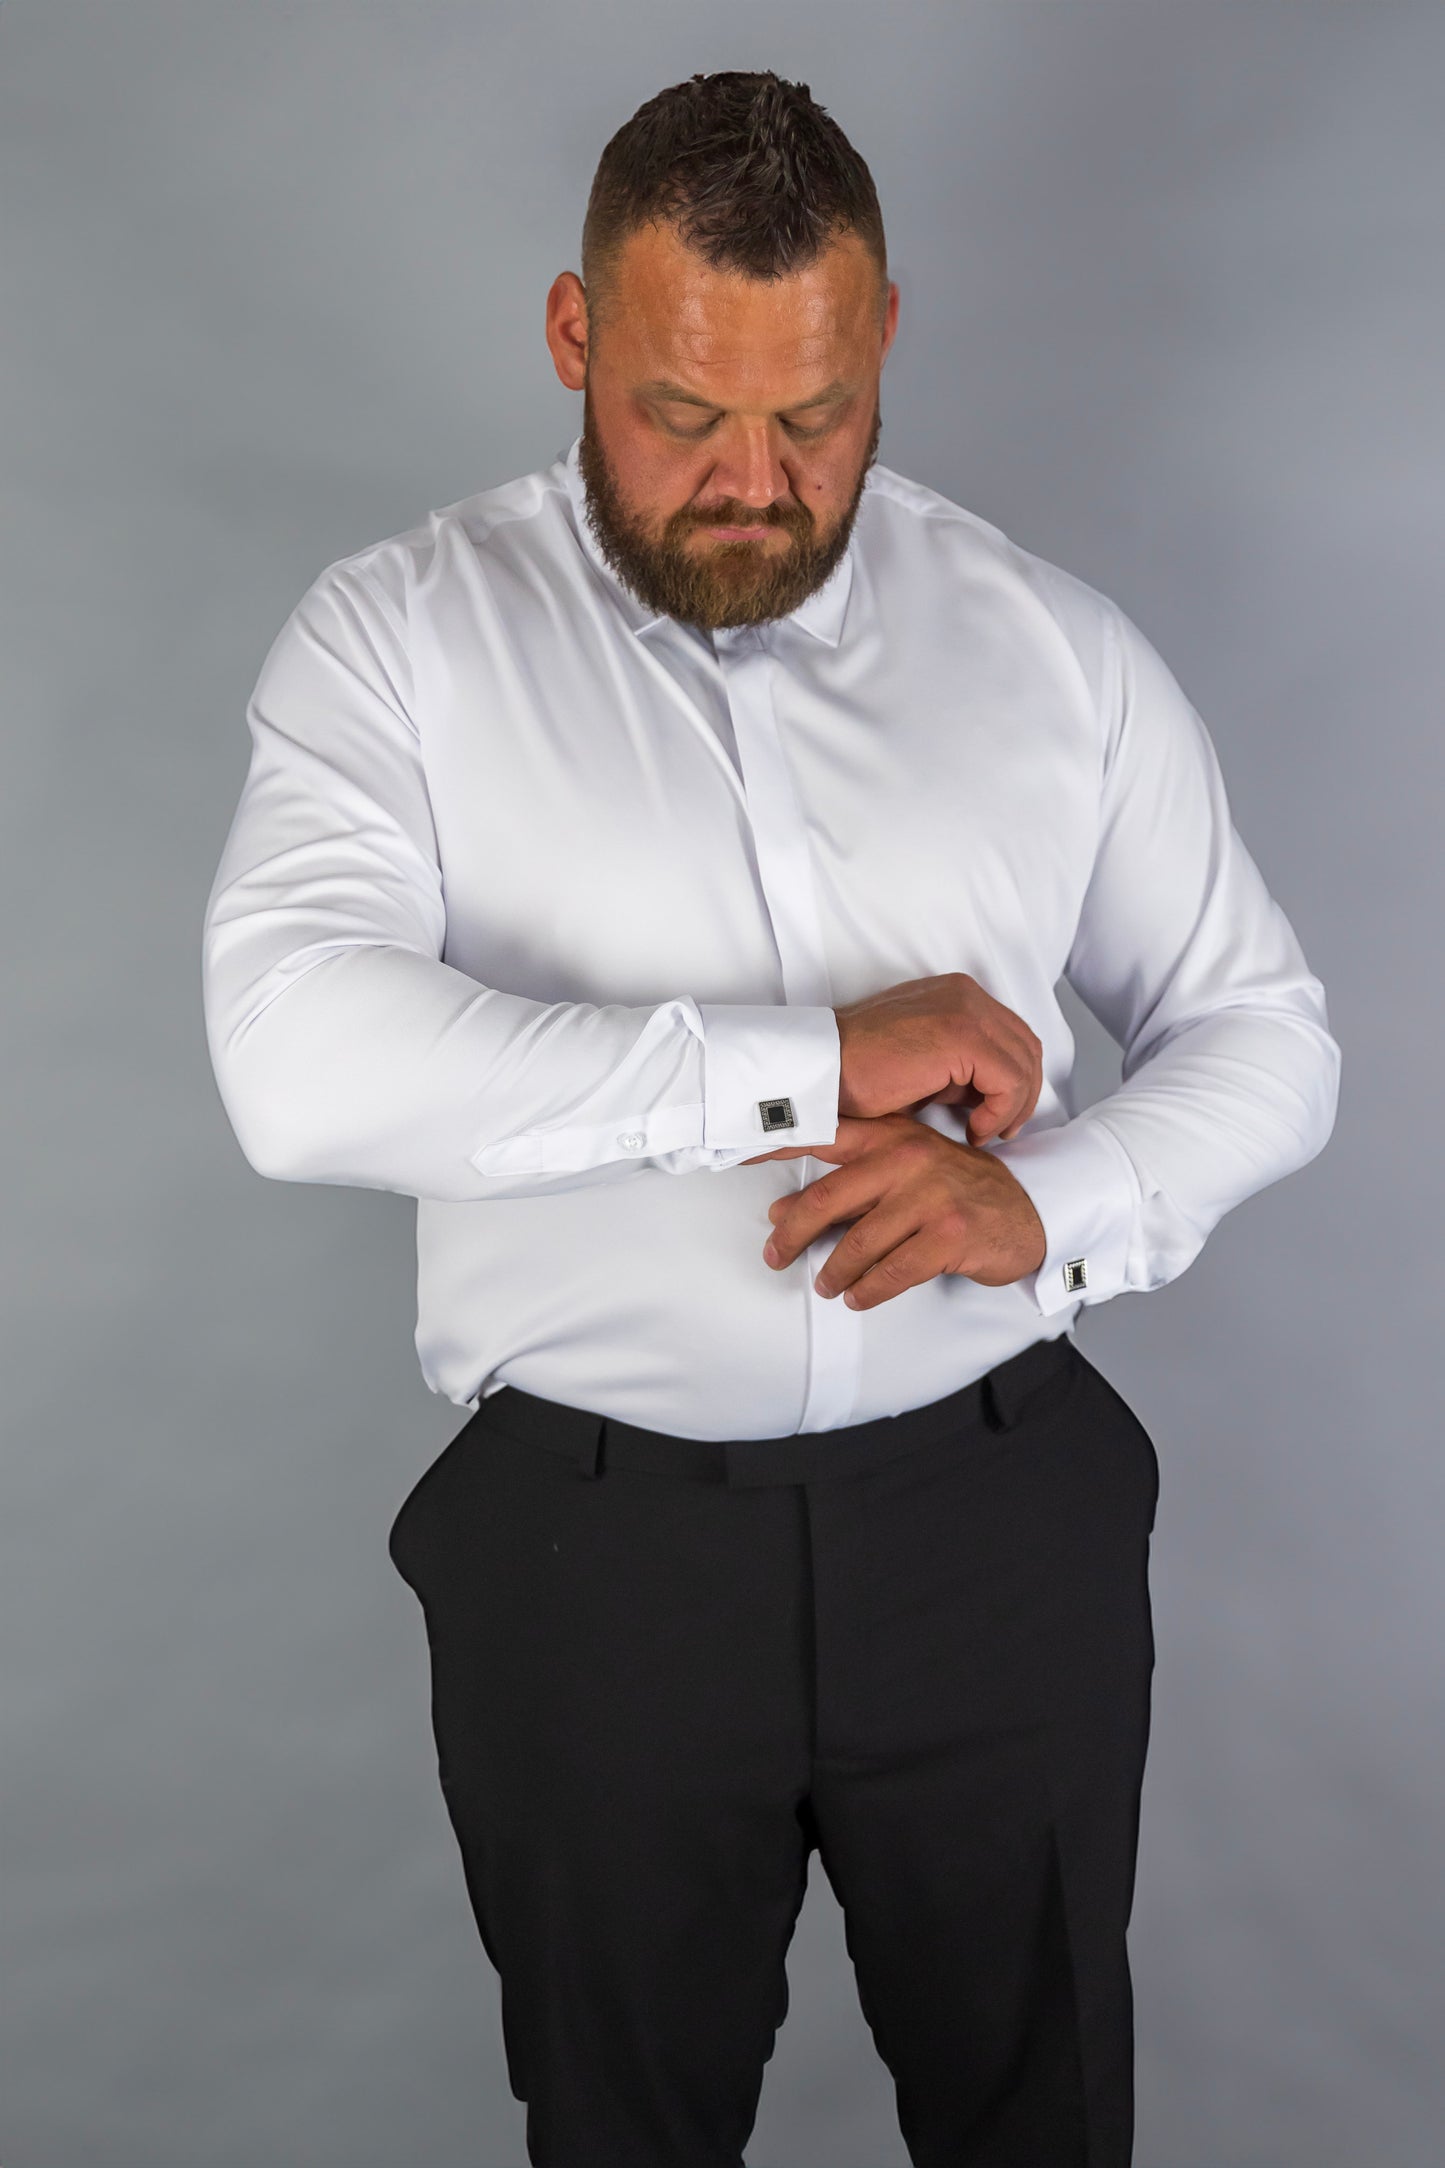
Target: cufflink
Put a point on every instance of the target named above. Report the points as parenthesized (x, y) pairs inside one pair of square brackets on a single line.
[(1075, 1274), (777, 1113)]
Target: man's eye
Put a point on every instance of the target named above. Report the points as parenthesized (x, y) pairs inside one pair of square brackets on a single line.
[(794, 429)]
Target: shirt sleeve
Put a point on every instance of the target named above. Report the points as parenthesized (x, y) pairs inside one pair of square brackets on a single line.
[(1230, 1077), (345, 1050)]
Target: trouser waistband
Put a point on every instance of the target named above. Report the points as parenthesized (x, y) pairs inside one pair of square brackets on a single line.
[(594, 1442)]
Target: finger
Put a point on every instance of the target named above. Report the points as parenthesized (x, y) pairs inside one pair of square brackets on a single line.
[(799, 1218), (1009, 1075), (867, 1242), (1005, 1103), (898, 1150), (910, 1264), (980, 1133)]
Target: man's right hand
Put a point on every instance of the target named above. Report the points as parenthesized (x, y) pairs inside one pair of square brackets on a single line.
[(940, 1039)]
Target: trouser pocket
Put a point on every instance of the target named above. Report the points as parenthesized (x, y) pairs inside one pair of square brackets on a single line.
[(423, 1493), (1130, 1430)]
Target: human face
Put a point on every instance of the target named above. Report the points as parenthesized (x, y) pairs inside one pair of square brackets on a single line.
[(728, 422)]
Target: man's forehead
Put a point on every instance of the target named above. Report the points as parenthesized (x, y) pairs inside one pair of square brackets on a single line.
[(680, 293), (803, 348)]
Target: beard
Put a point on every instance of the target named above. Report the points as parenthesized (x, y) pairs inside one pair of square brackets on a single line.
[(725, 583)]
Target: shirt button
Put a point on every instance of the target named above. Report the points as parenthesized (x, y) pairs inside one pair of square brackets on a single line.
[(631, 1141)]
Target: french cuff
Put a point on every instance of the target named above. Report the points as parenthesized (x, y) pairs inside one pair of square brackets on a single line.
[(771, 1077), (1085, 1190)]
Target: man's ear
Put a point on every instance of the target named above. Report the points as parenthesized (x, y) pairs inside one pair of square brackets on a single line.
[(567, 329)]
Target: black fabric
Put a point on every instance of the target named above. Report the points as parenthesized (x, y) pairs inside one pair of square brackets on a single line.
[(656, 1691), (805, 1457)]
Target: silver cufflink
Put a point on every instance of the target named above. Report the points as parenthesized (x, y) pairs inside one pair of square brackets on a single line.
[(777, 1113), (1075, 1274)]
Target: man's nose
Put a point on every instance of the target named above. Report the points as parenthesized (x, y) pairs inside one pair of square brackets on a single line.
[(750, 469)]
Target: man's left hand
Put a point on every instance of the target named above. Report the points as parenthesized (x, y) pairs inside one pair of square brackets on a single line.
[(920, 1205)]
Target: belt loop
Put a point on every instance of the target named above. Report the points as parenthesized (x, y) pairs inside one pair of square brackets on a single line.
[(589, 1446), (999, 1410), (1012, 1385)]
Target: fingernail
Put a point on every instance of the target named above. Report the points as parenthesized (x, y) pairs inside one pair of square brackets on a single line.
[(770, 1252), (819, 1288), (851, 1299)]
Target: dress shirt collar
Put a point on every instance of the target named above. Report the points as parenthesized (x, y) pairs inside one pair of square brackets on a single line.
[(820, 613)]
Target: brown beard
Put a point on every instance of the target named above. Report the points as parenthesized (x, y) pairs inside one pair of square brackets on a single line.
[(732, 583)]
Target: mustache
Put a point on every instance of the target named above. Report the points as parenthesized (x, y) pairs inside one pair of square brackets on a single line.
[(724, 516)]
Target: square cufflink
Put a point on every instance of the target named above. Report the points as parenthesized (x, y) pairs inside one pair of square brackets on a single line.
[(1075, 1274), (777, 1113)]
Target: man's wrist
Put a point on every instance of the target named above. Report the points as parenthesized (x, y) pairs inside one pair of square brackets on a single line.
[(845, 1104)]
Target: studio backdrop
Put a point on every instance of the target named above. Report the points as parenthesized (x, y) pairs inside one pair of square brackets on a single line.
[(1171, 318)]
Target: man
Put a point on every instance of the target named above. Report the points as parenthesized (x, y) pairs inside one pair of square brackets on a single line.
[(709, 799)]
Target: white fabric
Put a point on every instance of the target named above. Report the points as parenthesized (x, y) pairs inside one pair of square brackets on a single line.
[(532, 898)]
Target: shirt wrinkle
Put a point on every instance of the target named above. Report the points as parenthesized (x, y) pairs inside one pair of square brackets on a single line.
[(590, 885)]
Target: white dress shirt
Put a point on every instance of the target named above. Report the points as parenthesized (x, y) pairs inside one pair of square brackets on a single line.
[(536, 908)]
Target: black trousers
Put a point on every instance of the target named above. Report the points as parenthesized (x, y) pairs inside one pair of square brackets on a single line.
[(665, 1670)]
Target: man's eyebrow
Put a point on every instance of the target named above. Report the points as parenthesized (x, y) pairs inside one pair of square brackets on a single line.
[(659, 387)]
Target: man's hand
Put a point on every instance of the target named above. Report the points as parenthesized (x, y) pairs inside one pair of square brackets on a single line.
[(920, 1205), (942, 1039)]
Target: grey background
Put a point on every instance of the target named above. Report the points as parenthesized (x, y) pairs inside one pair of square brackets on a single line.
[(1171, 315)]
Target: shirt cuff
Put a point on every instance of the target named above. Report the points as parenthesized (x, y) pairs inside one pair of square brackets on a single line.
[(1085, 1190), (771, 1077)]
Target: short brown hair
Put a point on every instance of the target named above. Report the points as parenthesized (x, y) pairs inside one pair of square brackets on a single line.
[(756, 176)]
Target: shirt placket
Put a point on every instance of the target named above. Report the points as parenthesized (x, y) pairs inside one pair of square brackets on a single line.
[(785, 872)]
